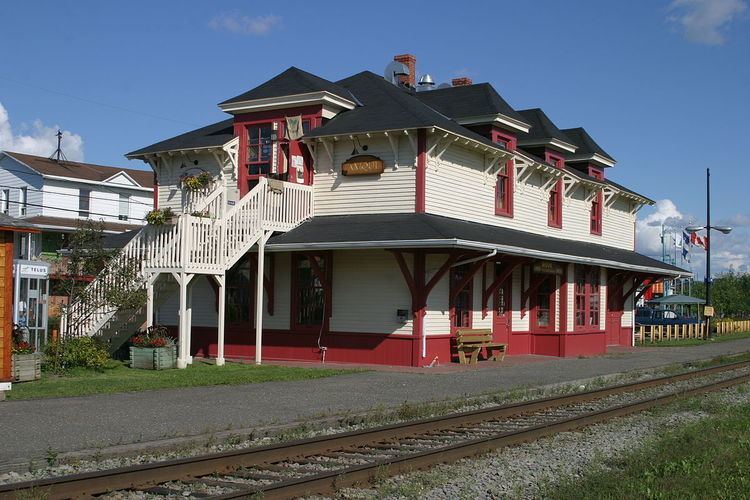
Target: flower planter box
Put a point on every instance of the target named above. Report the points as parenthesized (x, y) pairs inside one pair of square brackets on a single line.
[(153, 358), (26, 367)]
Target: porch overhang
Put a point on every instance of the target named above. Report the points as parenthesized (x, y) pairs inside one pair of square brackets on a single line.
[(426, 231)]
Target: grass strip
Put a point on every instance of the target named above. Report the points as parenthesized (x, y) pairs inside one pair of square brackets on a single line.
[(118, 377), (705, 459)]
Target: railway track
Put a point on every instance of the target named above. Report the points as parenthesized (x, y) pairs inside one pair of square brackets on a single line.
[(324, 464)]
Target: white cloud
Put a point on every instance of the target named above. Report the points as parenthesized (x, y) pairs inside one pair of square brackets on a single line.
[(730, 251), (38, 139), (648, 229), (704, 21), (244, 25)]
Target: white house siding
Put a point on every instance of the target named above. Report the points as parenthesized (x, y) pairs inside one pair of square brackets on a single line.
[(437, 319), (603, 305), (282, 286), (204, 303), (570, 318), (368, 289), (13, 177), (456, 186), (393, 191), (61, 199), (477, 321), (169, 171), (627, 315)]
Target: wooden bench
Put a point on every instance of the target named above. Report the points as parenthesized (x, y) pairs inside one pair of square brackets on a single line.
[(471, 341)]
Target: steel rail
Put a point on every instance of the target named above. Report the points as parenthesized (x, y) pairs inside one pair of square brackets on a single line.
[(329, 482), (144, 475)]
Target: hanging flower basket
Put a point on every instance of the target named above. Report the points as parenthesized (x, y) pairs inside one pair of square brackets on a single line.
[(196, 182), (160, 216)]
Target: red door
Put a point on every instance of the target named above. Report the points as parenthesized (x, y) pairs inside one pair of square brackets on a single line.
[(501, 314), (543, 305), (614, 320)]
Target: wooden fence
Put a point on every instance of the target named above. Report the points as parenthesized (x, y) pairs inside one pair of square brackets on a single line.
[(727, 327), (657, 333)]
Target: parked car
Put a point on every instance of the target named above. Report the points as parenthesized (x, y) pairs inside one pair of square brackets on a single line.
[(652, 316)]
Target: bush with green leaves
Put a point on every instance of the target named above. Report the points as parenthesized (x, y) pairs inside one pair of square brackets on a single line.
[(82, 352)]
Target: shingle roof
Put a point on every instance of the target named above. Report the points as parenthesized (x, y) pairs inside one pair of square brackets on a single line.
[(293, 81), (213, 135), (424, 229), (387, 107), (466, 101), (587, 146), (11, 223), (66, 223), (627, 190), (79, 170), (542, 128)]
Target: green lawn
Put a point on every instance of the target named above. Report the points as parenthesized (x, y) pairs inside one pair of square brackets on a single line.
[(706, 459), (120, 378), (689, 342)]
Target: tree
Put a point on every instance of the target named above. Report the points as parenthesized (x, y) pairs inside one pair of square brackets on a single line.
[(730, 294)]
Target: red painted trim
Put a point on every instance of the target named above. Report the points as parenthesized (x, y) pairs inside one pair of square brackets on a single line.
[(6, 338), (559, 162), (564, 301), (420, 308), (421, 176)]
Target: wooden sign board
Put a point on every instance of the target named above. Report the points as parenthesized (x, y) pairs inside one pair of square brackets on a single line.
[(547, 267), (363, 165), (708, 311)]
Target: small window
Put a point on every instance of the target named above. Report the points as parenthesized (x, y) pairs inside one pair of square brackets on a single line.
[(310, 291), (5, 201), (462, 303), (587, 302), (22, 200), (124, 207), (84, 202), (596, 214), (554, 215), (504, 190), (259, 149)]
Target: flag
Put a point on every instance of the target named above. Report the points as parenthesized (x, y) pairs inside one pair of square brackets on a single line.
[(685, 239), (685, 254)]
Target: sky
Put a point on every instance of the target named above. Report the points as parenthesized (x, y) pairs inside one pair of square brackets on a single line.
[(662, 85)]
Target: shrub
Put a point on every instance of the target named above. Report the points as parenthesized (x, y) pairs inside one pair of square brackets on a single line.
[(82, 352)]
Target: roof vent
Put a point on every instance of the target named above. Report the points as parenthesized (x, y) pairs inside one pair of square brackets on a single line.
[(425, 83), (394, 71)]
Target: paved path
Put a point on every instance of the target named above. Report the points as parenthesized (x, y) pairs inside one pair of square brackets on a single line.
[(29, 428)]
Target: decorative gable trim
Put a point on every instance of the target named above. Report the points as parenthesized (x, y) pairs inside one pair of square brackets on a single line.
[(324, 98)]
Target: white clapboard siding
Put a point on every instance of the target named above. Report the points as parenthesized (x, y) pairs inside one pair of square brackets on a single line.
[(368, 289), (570, 318), (15, 175), (391, 192), (519, 324), (169, 173), (627, 315), (282, 286), (61, 199), (603, 305), (204, 303), (437, 319), (456, 186)]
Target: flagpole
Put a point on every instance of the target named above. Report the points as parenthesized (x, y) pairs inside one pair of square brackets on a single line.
[(707, 278)]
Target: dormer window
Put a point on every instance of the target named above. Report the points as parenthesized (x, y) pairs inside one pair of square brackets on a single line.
[(554, 205), (504, 186), (259, 149), (596, 205)]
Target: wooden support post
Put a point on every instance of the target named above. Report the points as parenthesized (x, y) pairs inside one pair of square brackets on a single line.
[(181, 356), (149, 302), (259, 297), (189, 321), (221, 281)]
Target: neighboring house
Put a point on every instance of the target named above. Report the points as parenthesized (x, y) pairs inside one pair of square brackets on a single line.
[(55, 195), (383, 216)]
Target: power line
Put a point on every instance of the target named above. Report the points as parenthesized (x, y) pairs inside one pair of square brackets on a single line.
[(64, 209), (98, 103), (103, 188)]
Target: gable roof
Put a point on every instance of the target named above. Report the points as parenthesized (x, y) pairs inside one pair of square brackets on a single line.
[(210, 136), (470, 101), (587, 146), (293, 81), (79, 170), (388, 107), (543, 131)]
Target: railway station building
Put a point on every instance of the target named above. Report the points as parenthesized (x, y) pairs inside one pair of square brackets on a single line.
[(366, 220)]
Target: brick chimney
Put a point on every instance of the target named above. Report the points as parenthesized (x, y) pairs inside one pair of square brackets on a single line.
[(411, 62), (464, 80)]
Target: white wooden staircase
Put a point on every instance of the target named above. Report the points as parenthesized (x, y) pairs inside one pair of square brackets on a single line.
[(208, 244)]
